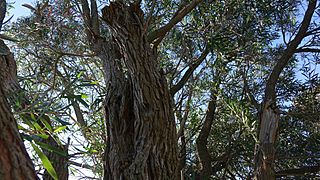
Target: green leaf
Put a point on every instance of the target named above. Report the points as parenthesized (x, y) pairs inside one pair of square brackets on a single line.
[(62, 122), (94, 82), (46, 124), (52, 149), (45, 161), (82, 102), (20, 127), (37, 126), (84, 96), (87, 84), (43, 136), (61, 128), (93, 151), (26, 137), (80, 74), (32, 116)]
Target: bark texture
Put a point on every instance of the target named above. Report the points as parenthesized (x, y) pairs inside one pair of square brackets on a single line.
[(139, 118), (269, 114), (267, 136), (19, 101), (15, 162), (202, 141)]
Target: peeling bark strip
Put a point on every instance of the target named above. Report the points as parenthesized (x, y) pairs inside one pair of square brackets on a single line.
[(15, 162), (140, 121), (267, 136)]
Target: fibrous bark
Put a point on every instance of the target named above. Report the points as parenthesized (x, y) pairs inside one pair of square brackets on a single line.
[(19, 101), (141, 141), (15, 162), (140, 122)]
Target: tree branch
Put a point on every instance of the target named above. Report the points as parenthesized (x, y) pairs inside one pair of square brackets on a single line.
[(179, 15), (283, 61), (3, 10), (91, 20), (252, 99), (313, 31), (94, 18), (299, 171), (86, 166), (175, 88), (202, 140), (312, 50), (86, 11)]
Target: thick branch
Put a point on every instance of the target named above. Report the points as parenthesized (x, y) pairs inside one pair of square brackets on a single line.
[(3, 10), (79, 115), (299, 171), (202, 140), (311, 50), (175, 19), (175, 88), (94, 18), (90, 16), (283, 61), (252, 99)]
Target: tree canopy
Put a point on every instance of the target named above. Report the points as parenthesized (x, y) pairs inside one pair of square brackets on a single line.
[(189, 89)]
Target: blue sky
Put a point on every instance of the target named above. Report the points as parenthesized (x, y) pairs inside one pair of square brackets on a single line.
[(18, 9)]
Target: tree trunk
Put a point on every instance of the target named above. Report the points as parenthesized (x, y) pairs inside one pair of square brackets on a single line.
[(15, 162), (18, 100), (139, 117), (269, 115), (59, 162), (265, 150)]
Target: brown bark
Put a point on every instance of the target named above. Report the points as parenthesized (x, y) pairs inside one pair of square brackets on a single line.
[(18, 100), (269, 114), (141, 142), (15, 162), (265, 150), (202, 140), (59, 162), (302, 171), (193, 66), (141, 128)]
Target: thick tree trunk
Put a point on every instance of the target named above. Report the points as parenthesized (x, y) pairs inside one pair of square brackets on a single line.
[(18, 100), (139, 118), (15, 162)]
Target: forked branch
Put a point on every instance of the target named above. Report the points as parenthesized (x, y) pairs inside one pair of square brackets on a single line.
[(179, 15)]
